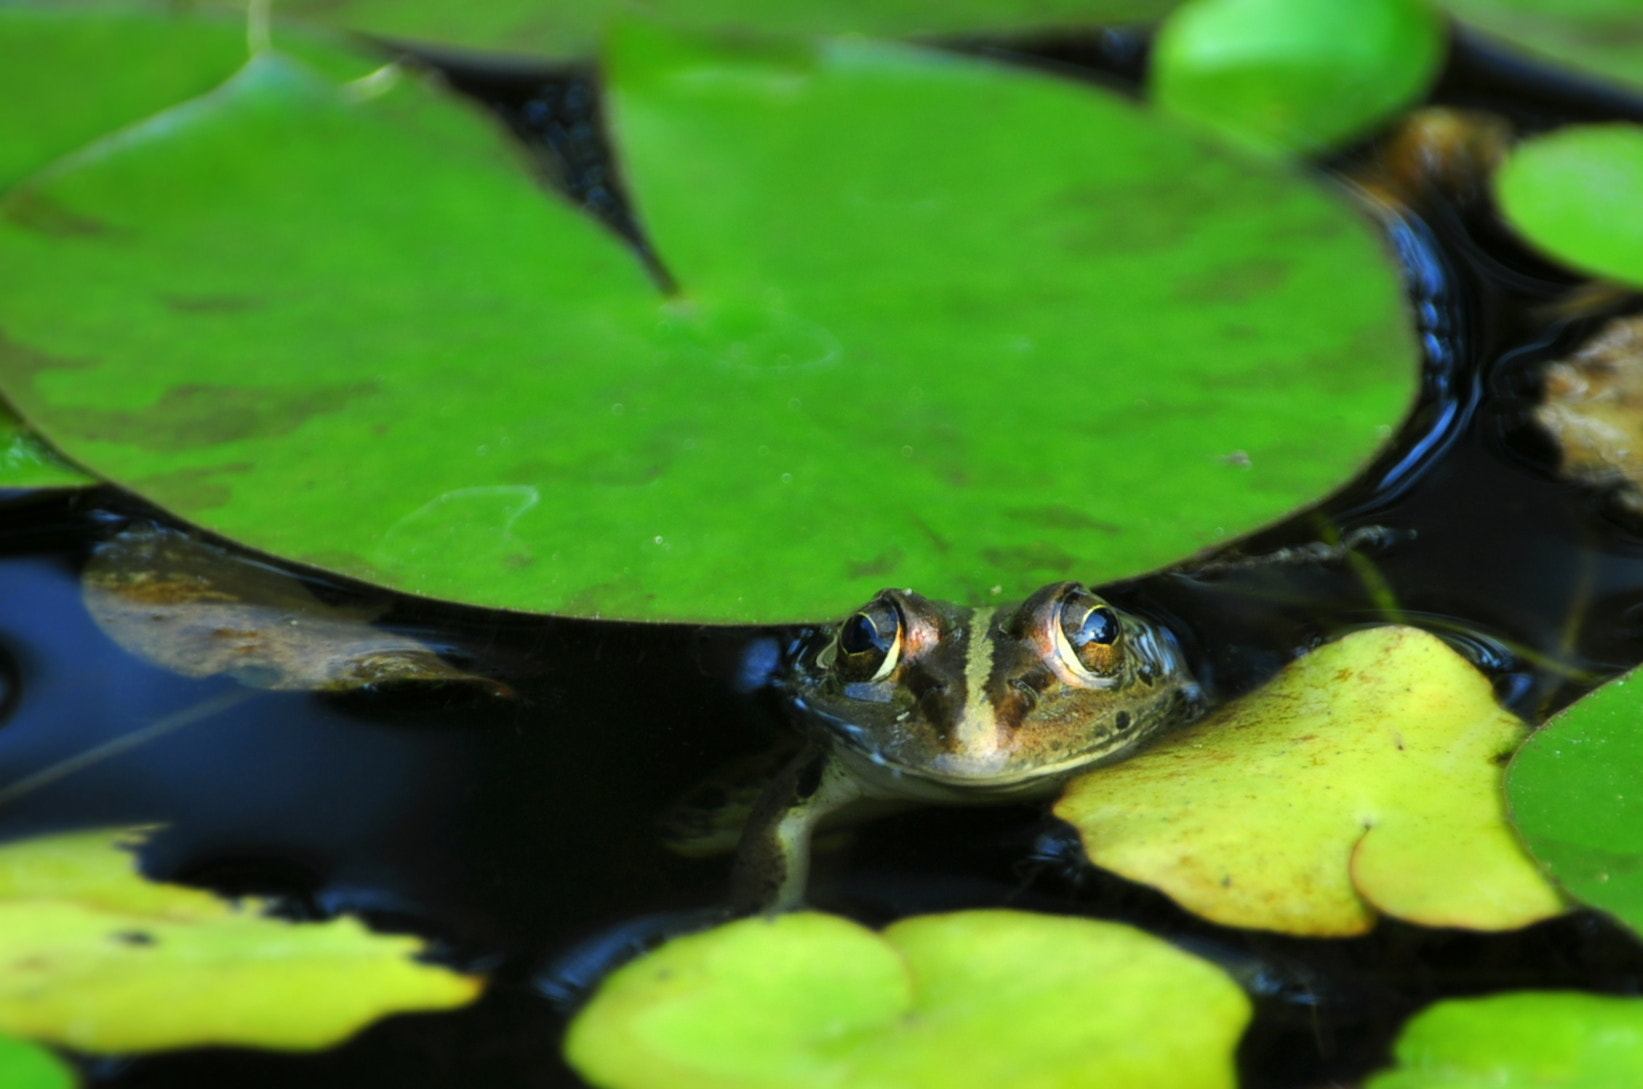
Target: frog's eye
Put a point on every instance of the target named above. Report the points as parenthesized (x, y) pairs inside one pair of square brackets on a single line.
[(868, 644), (1090, 632)]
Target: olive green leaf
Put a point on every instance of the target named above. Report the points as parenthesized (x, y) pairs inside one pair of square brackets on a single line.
[(997, 998), (895, 356), (1572, 193), (574, 28), (1364, 778), (29, 1066), (1295, 76), (27, 462), (1521, 1040), (1597, 36), (198, 610), (1574, 798), (96, 958)]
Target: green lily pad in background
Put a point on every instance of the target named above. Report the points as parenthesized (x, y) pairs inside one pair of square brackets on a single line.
[(895, 355), (1573, 194), (1364, 778), (1521, 1040), (1295, 76), (996, 998), (1595, 36), (26, 462), (1574, 796), (96, 958), (29, 1066), (574, 28)]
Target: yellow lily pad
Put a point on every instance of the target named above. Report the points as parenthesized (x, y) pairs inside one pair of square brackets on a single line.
[(1365, 778), (1002, 999), (94, 957)]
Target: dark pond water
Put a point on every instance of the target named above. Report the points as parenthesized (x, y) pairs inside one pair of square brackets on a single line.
[(520, 833)]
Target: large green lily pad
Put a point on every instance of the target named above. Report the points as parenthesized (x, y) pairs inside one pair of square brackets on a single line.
[(1521, 1040), (1365, 778), (95, 958), (1573, 193), (574, 28), (29, 1066), (1597, 36), (996, 998), (1574, 797), (349, 329), (1295, 76)]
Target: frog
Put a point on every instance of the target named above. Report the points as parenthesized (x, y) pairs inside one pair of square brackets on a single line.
[(920, 701)]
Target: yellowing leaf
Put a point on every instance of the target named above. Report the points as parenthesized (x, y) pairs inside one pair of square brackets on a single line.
[(96, 958), (1002, 999), (1366, 777)]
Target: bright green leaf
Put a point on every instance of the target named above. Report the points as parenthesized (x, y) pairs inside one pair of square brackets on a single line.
[(1598, 36), (1296, 76), (897, 356), (1522, 1040), (29, 1066), (574, 28), (996, 998), (1365, 777), (26, 462), (1574, 798), (98, 959), (1573, 193)]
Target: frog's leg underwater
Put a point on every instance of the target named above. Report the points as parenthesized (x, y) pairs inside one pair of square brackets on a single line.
[(773, 861)]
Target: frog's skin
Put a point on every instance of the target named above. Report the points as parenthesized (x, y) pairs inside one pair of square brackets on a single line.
[(924, 701)]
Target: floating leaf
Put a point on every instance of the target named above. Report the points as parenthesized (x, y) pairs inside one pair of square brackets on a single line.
[(1364, 778), (1523, 1040), (95, 958), (1295, 76), (1593, 407), (29, 1066), (197, 610), (1573, 194), (996, 998), (574, 28), (1575, 799), (906, 383), (26, 462), (1599, 36)]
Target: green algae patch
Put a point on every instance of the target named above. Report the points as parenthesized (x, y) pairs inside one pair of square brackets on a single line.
[(1364, 779), (1573, 194), (997, 998), (24, 1065), (574, 28), (96, 958), (1574, 798), (1295, 76), (893, 355), (1520, 1040)]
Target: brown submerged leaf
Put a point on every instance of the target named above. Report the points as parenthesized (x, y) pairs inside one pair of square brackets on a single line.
[(198, 610)]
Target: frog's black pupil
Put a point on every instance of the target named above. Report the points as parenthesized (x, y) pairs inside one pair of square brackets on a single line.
[(860, 635), (1099, 626)]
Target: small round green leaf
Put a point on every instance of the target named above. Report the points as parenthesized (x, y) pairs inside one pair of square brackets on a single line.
[(574, 28), (996, 998), (1573, 193), (351, 330), (1295, 76), (1574, 796), (1523, 1040), (29, 1066)]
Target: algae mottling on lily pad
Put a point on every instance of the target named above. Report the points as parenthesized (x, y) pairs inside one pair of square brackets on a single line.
[(998, 998), (1365, 778), (96, 958)]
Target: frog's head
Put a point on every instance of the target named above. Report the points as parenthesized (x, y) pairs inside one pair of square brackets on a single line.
[(992, 698)]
